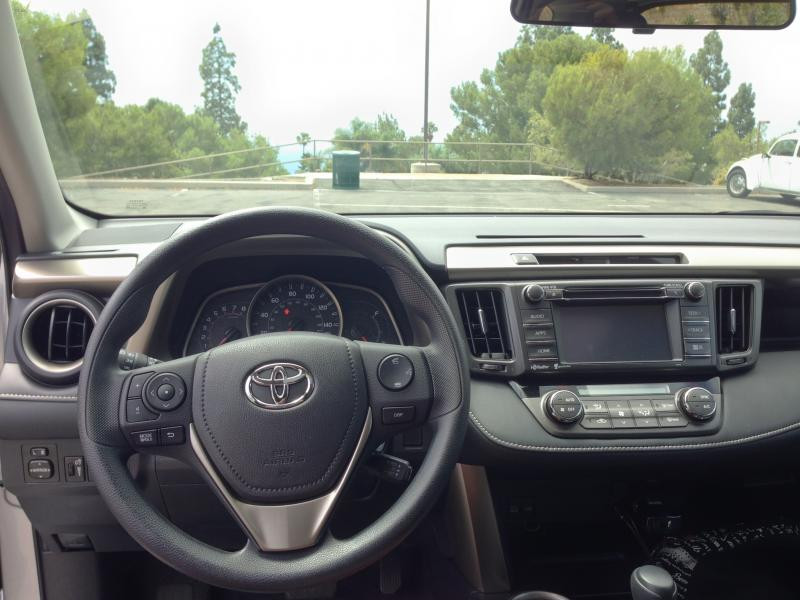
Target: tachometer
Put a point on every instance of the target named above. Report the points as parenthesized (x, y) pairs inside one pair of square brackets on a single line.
[(221, 319), (294, 303)]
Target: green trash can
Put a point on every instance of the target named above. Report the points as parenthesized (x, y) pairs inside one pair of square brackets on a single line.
[(346, 169)]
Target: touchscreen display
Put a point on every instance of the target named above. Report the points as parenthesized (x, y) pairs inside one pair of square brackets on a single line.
[(612, 333)]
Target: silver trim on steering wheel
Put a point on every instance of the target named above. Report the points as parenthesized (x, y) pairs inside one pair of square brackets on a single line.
[(283, 527)]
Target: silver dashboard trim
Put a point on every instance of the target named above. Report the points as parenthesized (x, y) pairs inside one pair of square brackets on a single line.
[(283, 527), (474, 259), (99, 274)]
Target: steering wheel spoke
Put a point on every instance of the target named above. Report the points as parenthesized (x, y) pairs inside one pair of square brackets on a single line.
[(155, 409), (284, 526)]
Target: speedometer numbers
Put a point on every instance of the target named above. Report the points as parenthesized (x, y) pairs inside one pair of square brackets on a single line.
[(294, 303)]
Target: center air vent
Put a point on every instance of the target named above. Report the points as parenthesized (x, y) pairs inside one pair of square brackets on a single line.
[(484, 317), (734, 318), (54, 332)]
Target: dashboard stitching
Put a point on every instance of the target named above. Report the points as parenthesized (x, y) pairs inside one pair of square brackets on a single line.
[(300, 486), (691, 446)]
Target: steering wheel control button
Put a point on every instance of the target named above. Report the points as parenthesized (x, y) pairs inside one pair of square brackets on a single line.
[(145, 438), (697, 403), (564, 406), (397, 415), (171, 436), (136, 388), (41, 469), (137, 412), (165, 391), (395, 372)]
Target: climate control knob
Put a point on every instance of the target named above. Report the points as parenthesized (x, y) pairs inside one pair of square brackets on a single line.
[(563, 406), (697, 403), (694, 290), (533, 292)]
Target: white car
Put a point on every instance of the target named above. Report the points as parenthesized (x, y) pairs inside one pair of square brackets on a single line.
[(777, 170)]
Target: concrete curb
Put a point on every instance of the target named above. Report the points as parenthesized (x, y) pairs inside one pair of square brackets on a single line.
[(189, 184), (644, 189)]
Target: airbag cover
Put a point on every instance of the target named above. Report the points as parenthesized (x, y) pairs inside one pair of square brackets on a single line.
[(270, 455)]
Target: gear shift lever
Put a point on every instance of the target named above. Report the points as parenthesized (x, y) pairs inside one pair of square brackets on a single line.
[(652, 583)]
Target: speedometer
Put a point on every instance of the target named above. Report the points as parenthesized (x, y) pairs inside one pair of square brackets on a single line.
[(294, 303)]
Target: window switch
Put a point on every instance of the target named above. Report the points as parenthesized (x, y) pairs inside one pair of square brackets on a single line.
[(74, 468)]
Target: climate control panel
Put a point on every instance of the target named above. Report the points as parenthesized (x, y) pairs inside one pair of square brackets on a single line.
[(627, 410)]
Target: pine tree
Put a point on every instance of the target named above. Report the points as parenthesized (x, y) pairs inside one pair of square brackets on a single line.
[(220, 84), (740, 115), (711, 67), (98, 75)]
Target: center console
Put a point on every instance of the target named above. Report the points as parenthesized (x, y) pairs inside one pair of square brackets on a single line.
[(572, 348)]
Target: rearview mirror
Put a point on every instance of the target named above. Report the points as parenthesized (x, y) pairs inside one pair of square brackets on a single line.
[(656, 14)]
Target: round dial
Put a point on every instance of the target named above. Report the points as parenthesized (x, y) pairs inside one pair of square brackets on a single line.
[(368, 322), (294, 303), (218, 324)]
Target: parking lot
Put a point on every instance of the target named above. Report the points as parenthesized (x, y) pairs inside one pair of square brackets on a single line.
[(405, 193)]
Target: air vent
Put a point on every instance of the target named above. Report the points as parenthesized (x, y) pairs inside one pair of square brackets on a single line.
[(484, 317), (54, 333), (734, 318)]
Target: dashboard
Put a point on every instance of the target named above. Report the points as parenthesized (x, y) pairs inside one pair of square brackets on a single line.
[(292, 302)]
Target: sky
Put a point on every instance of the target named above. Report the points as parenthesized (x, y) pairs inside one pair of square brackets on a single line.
[(313, 65)]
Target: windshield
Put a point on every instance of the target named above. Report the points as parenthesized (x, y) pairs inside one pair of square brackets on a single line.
[(197, 108)]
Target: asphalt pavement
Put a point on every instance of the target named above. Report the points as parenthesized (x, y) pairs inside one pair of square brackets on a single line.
[(404, 193)]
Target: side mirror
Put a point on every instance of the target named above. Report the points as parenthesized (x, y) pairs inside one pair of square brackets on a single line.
[(765, 155)]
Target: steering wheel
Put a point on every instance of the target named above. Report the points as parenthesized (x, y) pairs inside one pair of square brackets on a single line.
[(276, 423)]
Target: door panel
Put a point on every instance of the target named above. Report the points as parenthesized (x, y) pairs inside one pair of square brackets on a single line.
[(780, 164)]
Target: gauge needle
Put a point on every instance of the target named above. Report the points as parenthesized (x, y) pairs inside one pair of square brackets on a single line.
[(230, 335)]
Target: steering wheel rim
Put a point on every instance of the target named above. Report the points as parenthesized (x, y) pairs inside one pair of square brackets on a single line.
[(106, 446)]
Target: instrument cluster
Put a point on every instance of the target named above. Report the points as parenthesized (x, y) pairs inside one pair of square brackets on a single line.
[(292, 303)]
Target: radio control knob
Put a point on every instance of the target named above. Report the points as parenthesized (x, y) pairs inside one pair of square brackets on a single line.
[(533, 292), (694, 290), (563, 406), (697, 403)]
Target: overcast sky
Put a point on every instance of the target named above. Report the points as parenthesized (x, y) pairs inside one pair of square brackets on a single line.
[(313, 65)]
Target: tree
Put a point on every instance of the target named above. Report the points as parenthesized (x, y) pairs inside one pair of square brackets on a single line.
[(97, 72), (220, 84), (605, 35), (627, 114), (54, 52), (740, 115), (728, 146), (711, 67), (307, 162), (374, 139), (499, 107), (432, 130)]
